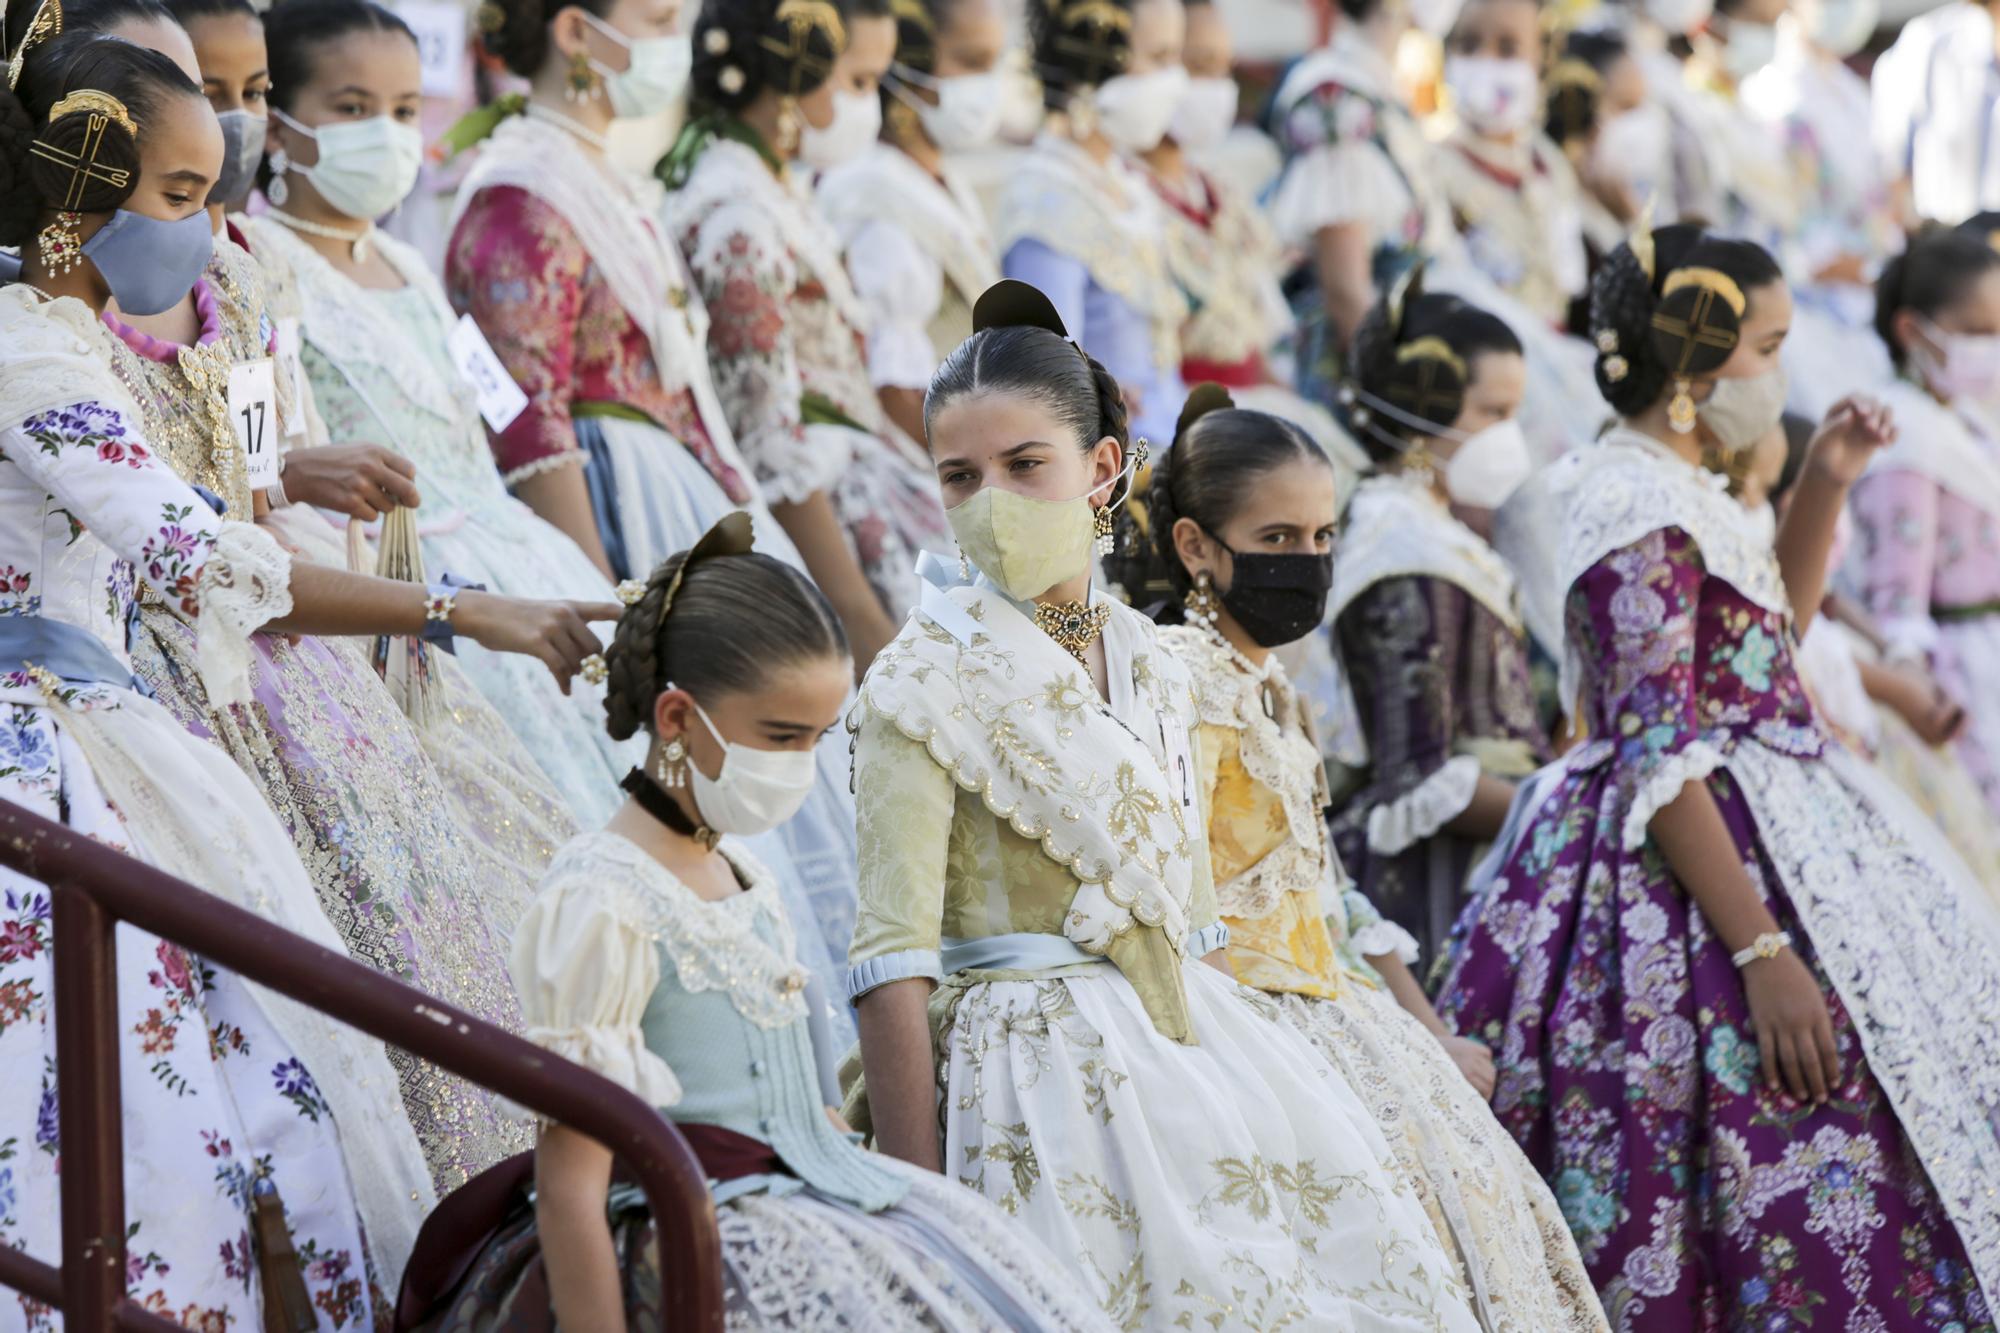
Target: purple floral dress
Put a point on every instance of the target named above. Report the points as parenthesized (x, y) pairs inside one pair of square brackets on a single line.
[(1629, 1068)]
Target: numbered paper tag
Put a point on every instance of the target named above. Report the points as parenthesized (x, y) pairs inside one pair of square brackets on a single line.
[(292, 367), (1180, 761), (440, 33), (253, 411), (500, 399)]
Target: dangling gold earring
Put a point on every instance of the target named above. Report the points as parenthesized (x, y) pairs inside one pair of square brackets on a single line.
[(1418, 464), (788, 126), (672, 768), (1200, 600), (1681, 408), (60, 244), (964, 566), (1104, 529), (583, 81)]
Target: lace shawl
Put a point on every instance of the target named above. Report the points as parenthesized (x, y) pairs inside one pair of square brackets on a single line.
[(1062, 198), (612, 214), (1628, 486), (732, 191), (1934, 442), (1278, 753), (884, 185), (1395, 529), (1016, 720)]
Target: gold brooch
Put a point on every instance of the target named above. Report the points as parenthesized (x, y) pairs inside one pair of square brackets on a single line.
[(1073, 625)]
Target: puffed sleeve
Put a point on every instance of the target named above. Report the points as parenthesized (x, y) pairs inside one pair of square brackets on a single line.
[(1896, 554), (1064, 280), (1336, 171), (1638, 606), (1400, 642), (229, 578), (902, 287), (585, 966), (516, 266), (904, 803)]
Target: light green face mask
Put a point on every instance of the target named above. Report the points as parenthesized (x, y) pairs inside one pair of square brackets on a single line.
[(1024, 545)]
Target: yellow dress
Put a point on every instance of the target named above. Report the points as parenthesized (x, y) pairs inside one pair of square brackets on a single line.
[(1280, 890), (1034, 851)]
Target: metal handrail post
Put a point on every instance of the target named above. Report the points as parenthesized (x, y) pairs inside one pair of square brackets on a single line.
[(87, 1111)]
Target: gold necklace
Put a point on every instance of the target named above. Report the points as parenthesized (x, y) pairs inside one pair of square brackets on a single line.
[(1073, 625)]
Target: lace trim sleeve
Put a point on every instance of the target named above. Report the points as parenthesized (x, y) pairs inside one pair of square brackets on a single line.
[(244, 585), (1659, 789), (1424, 809)]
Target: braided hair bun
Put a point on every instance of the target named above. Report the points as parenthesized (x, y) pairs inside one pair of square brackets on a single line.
[(1413, 362), (1078, 44), (1672, 313), (716, 619), (69, 131), (744, 47)]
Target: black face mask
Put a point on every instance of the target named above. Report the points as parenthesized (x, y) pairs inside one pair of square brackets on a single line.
[(1278, 599)]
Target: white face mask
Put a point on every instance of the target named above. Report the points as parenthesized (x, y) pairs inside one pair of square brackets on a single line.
[(1750, 47), (1493, 95), (1964, 366), (655, 74), (1742, 411), (755, 790), (968, 110), (1488, 465), (1205, 115), (365, 167), (1840, 27), (1679, 17), (1133, 110), (857, 119)]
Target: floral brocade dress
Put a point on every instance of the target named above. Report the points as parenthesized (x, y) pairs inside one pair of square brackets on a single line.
[(422, 868), (786, 340), (1284, 898), (221, 1082), (1184, 1150), (1628, 1065)]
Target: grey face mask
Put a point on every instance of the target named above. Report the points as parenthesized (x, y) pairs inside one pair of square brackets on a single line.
[(149, 264), (242, 150)]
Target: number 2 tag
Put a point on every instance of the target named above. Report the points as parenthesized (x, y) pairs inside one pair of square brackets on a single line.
[(1180, 760), (500, 399), (253, 411)]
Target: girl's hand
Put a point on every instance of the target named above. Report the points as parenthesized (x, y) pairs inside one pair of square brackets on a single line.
[(362, 481), (1852, 432), (1794, 1029), (558, 633), (1474, 1061), (1920, 701)]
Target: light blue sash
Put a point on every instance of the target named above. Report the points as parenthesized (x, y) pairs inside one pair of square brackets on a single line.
[(64, 650), (1025, 951)]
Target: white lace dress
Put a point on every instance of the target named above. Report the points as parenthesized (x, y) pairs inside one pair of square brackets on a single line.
[(222, 1081)]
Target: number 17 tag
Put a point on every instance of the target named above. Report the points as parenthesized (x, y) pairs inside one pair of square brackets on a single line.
[(253, 411)]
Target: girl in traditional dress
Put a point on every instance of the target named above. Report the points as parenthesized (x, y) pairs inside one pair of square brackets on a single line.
[(243, 1111), (663, 959), (1222, 253), (1044, 1007), (1734, 984), (1079, 222), (1512, 193), (558, 255), (780, 87), (911, 227), (1927, 562), (1426, 617), (1244, 512), (379, 362), (423, 842)]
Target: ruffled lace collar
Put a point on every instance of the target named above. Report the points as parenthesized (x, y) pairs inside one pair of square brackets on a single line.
[(714, 943), (1396, 527)]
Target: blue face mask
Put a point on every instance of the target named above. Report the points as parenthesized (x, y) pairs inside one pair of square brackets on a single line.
[(148, 264)]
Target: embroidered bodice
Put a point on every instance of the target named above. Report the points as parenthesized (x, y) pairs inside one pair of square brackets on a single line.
[(88, 508), (698, 1005), (1225, 257)]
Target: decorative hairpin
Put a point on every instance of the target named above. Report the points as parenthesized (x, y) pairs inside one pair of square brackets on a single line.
[(46, 23)]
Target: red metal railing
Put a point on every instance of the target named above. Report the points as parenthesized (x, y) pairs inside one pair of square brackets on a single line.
[(94, 888)]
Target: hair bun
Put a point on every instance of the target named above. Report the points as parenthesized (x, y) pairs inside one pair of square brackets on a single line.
[(1697, 321), (86, 158), (1009, 304), (1207, 397)]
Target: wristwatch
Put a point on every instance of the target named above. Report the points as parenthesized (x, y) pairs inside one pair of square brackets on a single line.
[(1768, 945)]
